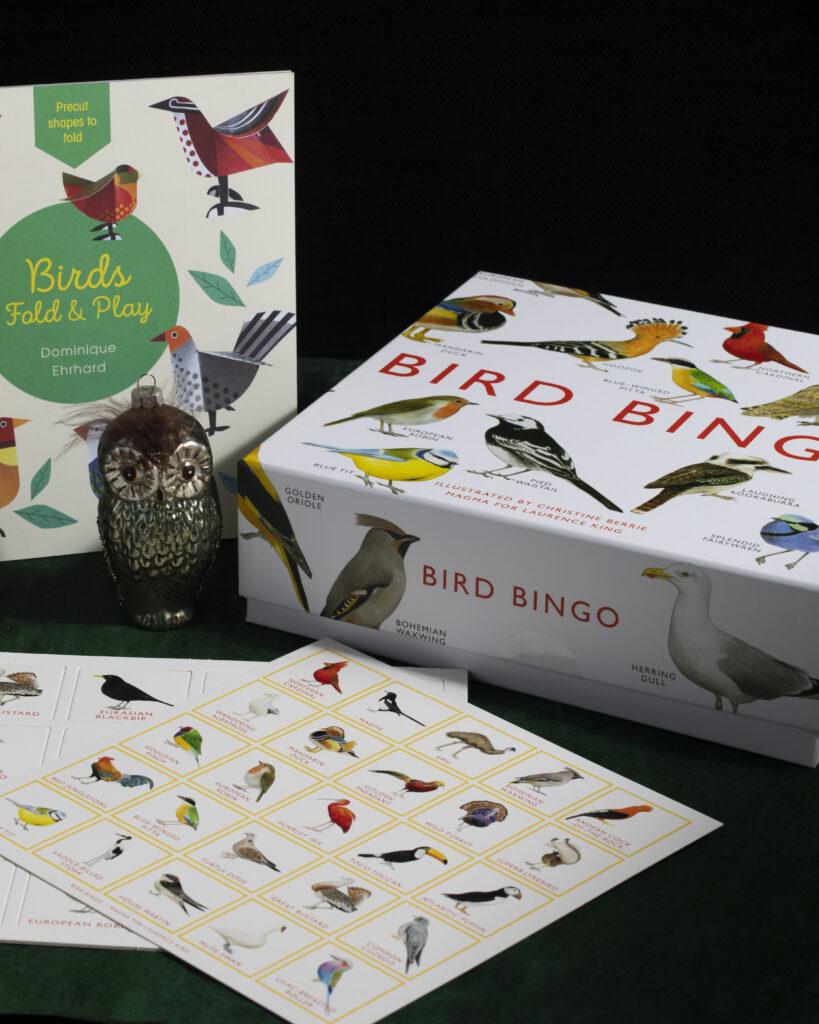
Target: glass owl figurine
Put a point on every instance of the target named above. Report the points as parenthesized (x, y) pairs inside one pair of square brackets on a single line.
[(159, 517)]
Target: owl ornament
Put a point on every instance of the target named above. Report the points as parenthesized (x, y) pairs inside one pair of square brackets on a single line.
[(158, 516)]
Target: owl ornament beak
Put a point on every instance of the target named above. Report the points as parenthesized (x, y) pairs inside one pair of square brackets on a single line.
[(159, 516)]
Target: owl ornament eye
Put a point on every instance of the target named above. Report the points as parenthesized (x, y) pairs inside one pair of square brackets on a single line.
[(159, 517), (188, 470), (129, 473)]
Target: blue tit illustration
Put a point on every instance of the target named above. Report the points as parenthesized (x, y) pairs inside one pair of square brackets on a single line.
[(791, 533), (409, 465), (695, 381), (330, 972), (260, 504), (472, 314), (30, 815)]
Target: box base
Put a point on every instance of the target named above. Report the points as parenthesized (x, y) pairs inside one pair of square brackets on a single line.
[(800, 746)]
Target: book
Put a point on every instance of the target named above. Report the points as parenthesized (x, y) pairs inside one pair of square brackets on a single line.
[(147, 233)]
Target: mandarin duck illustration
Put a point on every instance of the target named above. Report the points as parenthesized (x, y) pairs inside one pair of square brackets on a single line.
[(343, 895), (711, 477), (17, 685), (212, 381), (800, 403), (473, 314), (28, 814), (522, 445), (261, 776), (332, 738), (371, 585), (9, 473), (329, 974), (338, 813), (472, 741), (169, 885), (104, 770), (186, 814), (482, 897), (647, 335), (408, 465), (747, 342), (553, 290), (408, 412), (725, 665), (260, 504), (790, 532), (241, 143), (482, 813), (91, 434), (327, 675), (696, 382), (414, 935), (108, 200), (608, 815), (410, 785)]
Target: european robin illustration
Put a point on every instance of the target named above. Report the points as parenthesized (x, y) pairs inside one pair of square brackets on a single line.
[(241, 143), (647, 334), (9, 473), (212, 381), (712, 477), (408, 412), (260, 504), (370, 586), (725, 665), (261, 776), (108, 200), (790, 532), (472, 314), (696, 382), (406, 465), (521, 443), (747, 342)]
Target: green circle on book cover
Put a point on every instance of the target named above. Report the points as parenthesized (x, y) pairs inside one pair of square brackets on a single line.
[(79, 309)]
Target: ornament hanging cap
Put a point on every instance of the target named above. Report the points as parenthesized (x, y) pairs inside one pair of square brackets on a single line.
[(146, 396)]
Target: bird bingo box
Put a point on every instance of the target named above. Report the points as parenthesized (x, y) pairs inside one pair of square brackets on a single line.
[(604, 502)]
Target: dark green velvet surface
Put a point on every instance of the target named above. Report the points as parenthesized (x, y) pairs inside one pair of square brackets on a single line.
[(724, 930)]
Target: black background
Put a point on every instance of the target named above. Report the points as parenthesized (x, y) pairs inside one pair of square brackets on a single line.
[(653, 151)]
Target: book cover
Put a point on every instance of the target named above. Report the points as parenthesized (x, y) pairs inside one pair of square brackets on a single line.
[(146, 232)]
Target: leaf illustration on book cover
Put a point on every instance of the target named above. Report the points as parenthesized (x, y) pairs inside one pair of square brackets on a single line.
[(265, 271), (44, 516), (217, 288), (227, 251), (39, 481), (230, 482)]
